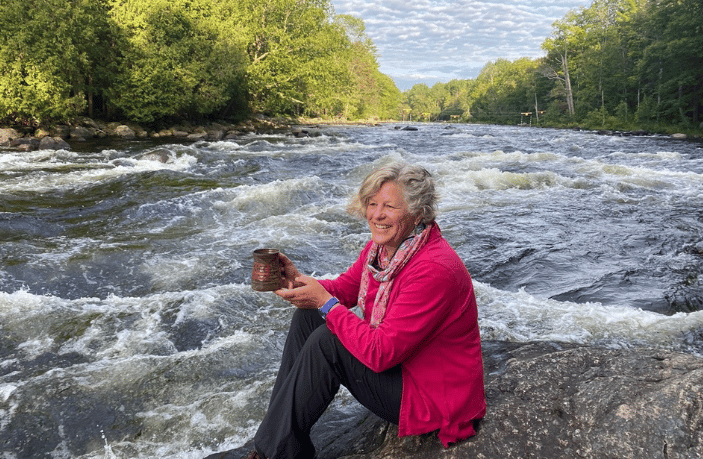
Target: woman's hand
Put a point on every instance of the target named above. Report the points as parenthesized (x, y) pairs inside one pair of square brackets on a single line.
[(288, 272), (307, 293)]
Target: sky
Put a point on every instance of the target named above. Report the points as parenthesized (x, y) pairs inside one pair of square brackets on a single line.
[(431, 41)]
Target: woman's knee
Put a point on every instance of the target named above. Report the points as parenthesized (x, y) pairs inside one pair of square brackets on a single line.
[(306, 319), (324, 341)]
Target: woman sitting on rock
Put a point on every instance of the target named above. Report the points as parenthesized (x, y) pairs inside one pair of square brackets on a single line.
[(414, 359)]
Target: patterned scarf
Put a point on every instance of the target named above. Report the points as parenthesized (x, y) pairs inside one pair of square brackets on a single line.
[(389, 269)]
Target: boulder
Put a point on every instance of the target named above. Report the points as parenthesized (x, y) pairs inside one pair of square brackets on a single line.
[(679, 135), (53, 143), (7, 135), (81, 133), (125, 132), (215, 134), (161, 155), (554, 400), (163, 133), (25, 144)]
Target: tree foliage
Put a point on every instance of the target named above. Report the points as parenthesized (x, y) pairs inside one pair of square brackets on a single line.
[(149, 60), (50, 57), (616, 63)]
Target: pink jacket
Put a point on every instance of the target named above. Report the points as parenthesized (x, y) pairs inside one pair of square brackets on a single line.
[(431, 329)]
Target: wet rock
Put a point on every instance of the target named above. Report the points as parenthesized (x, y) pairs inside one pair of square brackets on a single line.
[(679, 135), (162, 155), (216, 134), (53, 143), (82, 133), (163, 133), (640, 133), (197, 136), (25, 144)]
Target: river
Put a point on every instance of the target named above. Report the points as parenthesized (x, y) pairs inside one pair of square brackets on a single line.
[(128, 327)]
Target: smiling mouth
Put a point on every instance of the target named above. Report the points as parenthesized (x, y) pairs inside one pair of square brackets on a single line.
[(382, 227)]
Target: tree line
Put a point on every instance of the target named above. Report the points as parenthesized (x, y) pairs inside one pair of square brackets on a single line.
[(154, 60), (617, 64)]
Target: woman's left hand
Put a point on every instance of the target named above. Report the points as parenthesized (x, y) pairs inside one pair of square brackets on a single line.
[(310, 295)]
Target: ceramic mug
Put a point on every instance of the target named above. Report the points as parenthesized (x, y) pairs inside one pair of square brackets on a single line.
[(266, 273)]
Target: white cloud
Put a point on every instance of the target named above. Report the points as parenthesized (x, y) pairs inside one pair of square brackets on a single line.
[(426, 41)]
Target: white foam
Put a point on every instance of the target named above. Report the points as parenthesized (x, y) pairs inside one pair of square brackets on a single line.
[(64, 171), (519, 316)]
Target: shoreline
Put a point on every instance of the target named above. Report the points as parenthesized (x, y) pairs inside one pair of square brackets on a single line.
[(66, 135)]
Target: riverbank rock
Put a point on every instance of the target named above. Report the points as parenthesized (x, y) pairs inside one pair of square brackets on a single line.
[(7, 135), (81, 133), (125, 132), (552, 400), (555, 400), (53, 143)]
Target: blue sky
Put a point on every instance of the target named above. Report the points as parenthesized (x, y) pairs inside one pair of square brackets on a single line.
[(430, 41)]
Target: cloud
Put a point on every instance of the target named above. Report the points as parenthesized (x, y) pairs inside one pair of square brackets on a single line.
[(426, 41)]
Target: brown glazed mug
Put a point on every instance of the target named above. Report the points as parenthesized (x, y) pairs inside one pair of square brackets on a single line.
[(266, 274)]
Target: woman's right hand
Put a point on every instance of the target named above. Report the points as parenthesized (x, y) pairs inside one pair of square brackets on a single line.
[(288, 273)]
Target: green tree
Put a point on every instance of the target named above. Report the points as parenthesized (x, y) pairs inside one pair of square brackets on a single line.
[(369, 92), (175, 62), (290, 43), (54, 56), (566, 37), (672, 64), (421, 101), (505, 90)]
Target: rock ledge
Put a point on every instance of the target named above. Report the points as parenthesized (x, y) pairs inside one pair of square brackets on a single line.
[(554, 400)]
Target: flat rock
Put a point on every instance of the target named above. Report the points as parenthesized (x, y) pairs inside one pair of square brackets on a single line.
[(551, 400), (559, 400)]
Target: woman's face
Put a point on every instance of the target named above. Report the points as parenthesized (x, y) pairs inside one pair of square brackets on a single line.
[(389, 218)]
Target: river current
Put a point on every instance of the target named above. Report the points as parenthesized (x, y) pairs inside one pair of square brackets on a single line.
[(128, 327)]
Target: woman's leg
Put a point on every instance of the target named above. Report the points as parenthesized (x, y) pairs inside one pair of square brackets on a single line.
[(303, 323), (305, 387)]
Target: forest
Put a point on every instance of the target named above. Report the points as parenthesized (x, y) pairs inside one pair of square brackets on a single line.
[(616, 64), (153, 60)]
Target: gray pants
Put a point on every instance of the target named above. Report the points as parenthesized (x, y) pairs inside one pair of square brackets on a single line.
[(313, 366)]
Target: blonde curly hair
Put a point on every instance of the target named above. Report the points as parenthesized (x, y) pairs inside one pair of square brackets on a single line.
[(416, 182)]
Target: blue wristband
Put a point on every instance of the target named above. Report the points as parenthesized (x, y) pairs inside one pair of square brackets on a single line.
[(325, 309)]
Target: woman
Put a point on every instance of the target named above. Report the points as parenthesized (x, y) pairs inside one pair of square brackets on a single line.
[(414, 359)]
